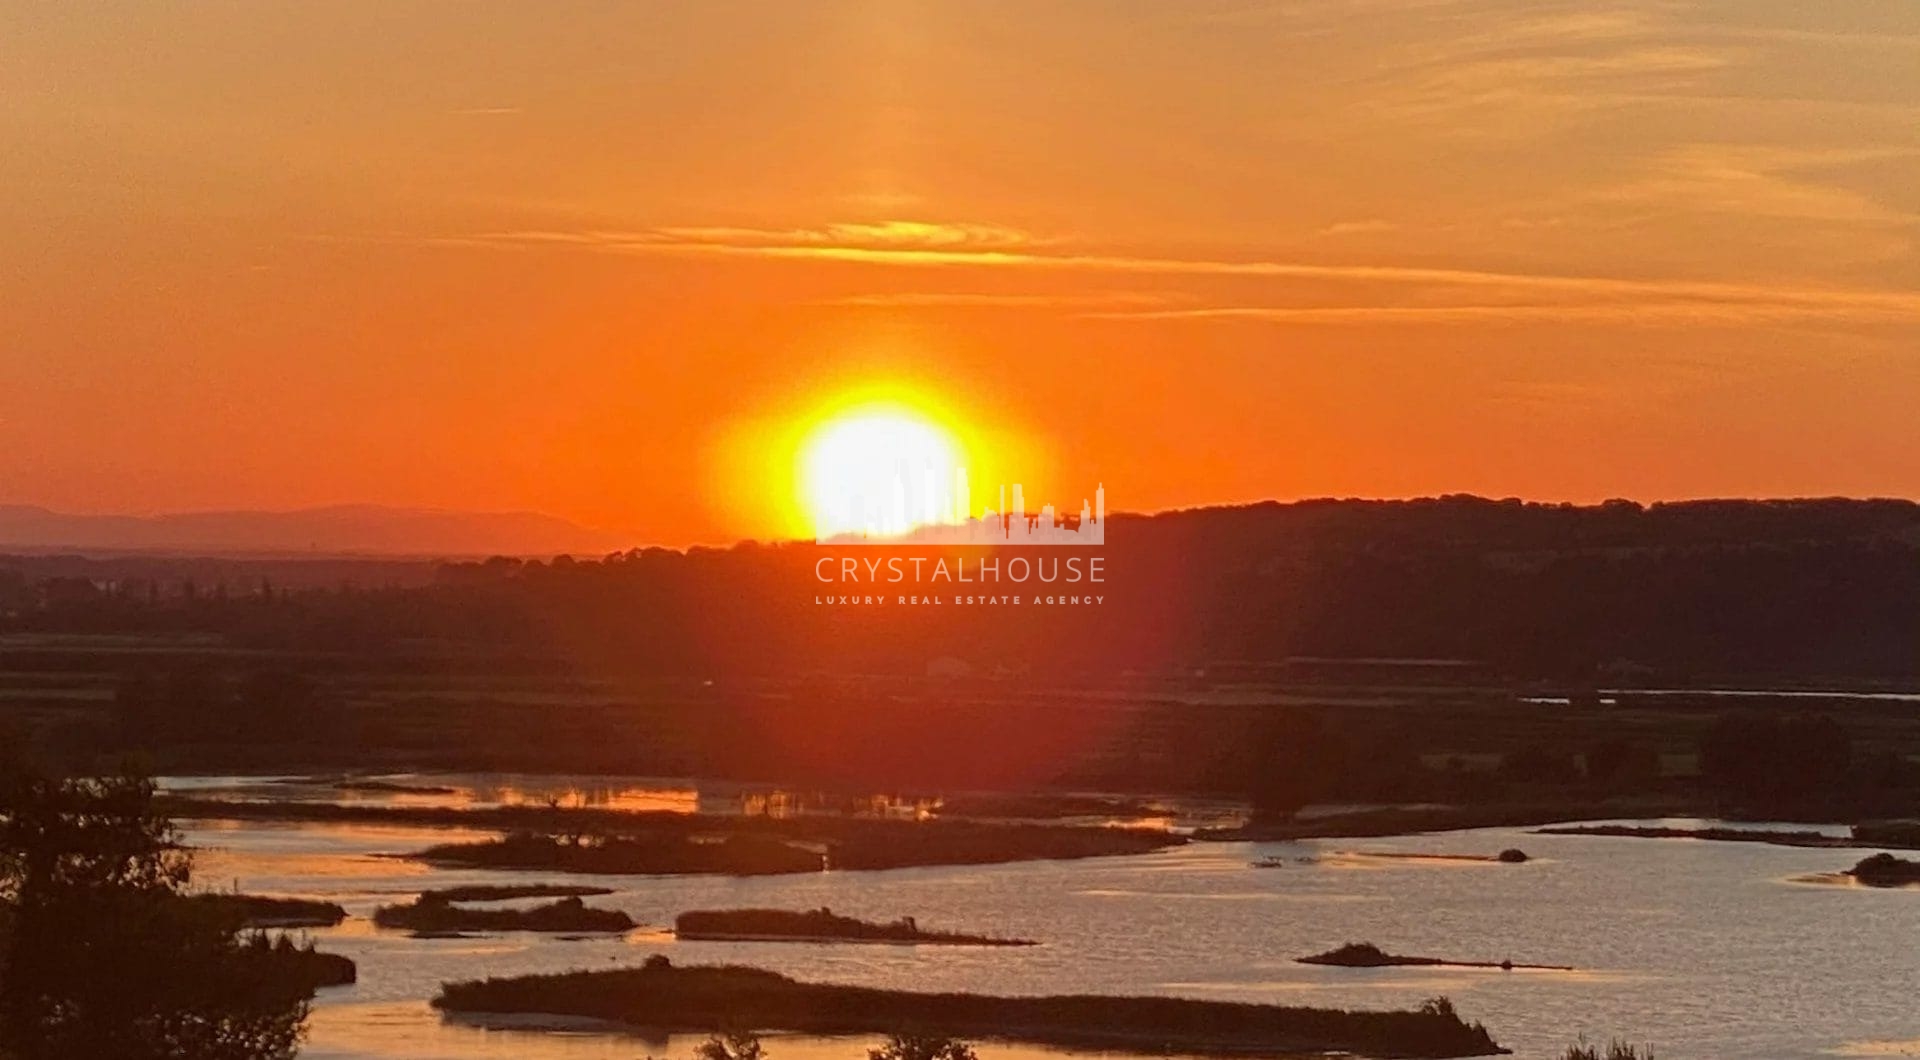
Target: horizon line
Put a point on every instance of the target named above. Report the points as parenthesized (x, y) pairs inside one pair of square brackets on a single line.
[(214, 551)]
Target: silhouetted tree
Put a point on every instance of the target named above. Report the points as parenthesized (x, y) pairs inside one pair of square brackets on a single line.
[(101, 955), (730, 1045), (922, 1047)]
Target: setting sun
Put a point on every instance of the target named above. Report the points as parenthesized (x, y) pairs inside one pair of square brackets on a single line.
[(879, 469), (802, 462)]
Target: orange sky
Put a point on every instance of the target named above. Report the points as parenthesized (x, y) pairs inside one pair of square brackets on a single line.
[(485, 256)]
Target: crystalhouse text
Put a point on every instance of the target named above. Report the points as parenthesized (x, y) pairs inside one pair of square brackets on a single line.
[(1066, 569)]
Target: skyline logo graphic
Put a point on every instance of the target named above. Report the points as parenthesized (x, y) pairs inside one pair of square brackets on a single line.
[(924, 514)]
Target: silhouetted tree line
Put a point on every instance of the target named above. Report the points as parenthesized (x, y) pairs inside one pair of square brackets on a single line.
[(1668, 591)]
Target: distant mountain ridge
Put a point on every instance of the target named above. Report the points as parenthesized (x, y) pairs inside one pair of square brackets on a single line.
[(350, 529)]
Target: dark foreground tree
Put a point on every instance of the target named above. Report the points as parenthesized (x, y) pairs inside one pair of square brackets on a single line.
[(102, 955), (922, 1047), (730, 1045)]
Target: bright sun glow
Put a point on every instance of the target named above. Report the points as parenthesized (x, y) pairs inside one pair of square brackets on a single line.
[(878, 470)]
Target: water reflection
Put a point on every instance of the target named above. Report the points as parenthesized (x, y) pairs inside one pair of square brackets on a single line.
[(1698, 947), (476, 791)]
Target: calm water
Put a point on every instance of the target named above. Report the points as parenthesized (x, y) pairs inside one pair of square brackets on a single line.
[(1707, 950)]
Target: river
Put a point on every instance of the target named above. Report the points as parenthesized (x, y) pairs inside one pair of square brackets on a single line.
[(1708, 951)]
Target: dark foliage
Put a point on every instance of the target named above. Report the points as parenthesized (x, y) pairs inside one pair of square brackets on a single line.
[(103, 956), (1885, 870), (1889, 833), (1761, 761), (730, 1045), (257, 911), (747, 847), (1367, 955), (922, 1047), (718, 663), (1617, 1050), (664, 997), (814, 925), (434, 914), (1364, 955), (1789, 587)]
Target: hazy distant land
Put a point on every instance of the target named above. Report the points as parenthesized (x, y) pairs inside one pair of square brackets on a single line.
[(356, 529)]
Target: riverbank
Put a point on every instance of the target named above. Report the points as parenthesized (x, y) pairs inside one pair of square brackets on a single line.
[(707, 998)]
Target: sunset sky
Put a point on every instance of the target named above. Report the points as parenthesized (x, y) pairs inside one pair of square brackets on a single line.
[(605, 260)]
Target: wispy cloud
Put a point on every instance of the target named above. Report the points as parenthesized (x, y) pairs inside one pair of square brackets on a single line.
[(1513, 70), (1764, 182), (1089, 301), (1372, 226), (1439, 290), (1652, 313), (883, 235)]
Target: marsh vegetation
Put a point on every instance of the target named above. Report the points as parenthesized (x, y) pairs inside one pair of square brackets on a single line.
[(435, 915), (662, 996), (259, 911), (817, 925), (1367, 955), (1885, 870)]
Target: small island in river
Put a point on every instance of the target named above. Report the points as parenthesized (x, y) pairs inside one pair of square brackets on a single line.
[(702, 999), (1367, 955), (435, 915), (775, 847), (1885, 870), (816, 925), (259, 911)]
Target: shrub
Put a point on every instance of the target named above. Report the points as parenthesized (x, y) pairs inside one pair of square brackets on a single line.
[(1617, 1050)]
